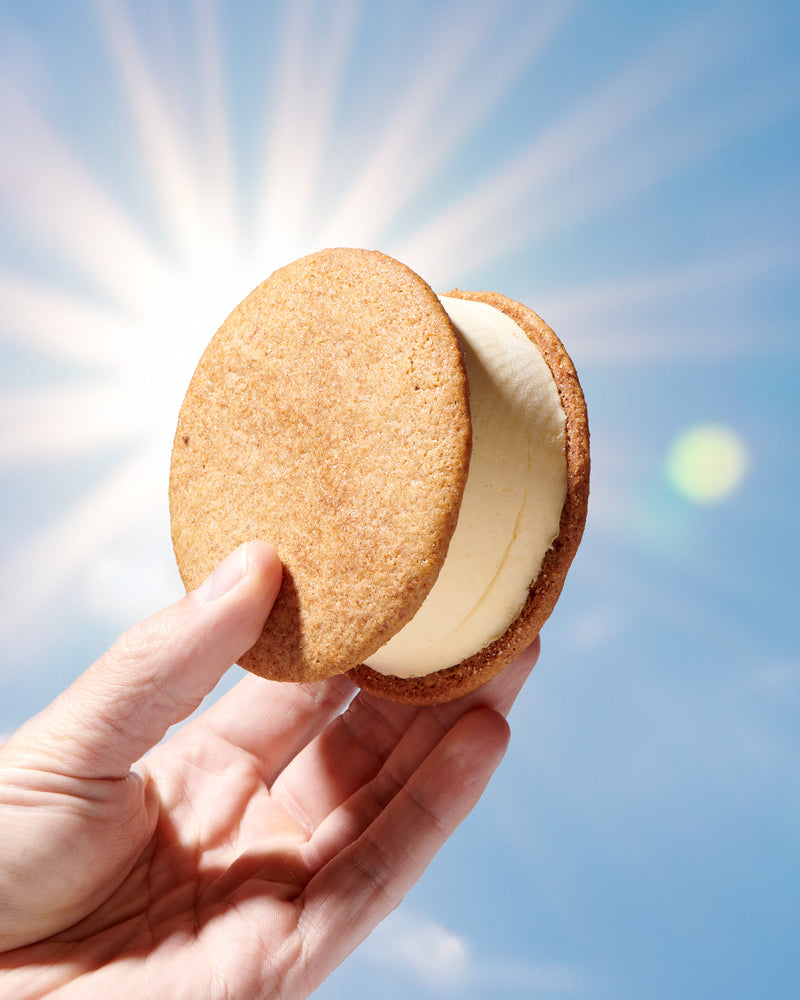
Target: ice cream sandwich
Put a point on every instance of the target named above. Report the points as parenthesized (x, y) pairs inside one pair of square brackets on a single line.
[(420, 462)]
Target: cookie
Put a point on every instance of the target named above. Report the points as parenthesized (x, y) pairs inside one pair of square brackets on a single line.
[(331, 415)]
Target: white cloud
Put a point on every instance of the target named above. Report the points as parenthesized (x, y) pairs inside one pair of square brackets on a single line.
[(412, 943)]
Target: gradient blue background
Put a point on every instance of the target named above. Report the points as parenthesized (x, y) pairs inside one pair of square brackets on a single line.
[(631, 171)]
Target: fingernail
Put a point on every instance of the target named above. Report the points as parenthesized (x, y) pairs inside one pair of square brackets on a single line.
[(224, 578)]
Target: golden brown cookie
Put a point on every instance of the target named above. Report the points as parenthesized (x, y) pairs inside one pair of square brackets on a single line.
[(329, 415), (444, 685)]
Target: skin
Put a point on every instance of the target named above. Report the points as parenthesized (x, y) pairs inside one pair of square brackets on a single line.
[(249, 853)]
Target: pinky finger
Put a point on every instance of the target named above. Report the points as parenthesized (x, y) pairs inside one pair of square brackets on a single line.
[(369, 878)]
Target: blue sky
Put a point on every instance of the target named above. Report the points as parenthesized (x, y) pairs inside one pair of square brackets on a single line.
[(631, 172)]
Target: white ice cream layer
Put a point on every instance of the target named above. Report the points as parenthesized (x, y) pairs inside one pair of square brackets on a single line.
[(512, 502)]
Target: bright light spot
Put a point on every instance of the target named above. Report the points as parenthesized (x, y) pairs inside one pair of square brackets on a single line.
[(707, 463)]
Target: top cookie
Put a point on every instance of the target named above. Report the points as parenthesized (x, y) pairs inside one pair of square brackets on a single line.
[(329, 416)]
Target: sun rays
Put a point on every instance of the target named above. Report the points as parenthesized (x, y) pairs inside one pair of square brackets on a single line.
[(581, 164), (144, 304)]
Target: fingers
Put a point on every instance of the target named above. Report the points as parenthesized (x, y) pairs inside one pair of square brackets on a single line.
[(346, 755), (368, 878), (501, 691), (354, 747), (156, 674), (272, 720)]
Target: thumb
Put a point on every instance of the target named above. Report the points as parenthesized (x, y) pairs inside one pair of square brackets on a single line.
[(155, 675)]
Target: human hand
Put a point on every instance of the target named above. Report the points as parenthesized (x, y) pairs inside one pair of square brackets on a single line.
[(248, 854)]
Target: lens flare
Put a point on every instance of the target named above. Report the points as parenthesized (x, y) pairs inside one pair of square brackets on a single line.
[(707, 463)]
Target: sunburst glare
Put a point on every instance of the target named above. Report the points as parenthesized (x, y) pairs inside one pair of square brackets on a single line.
[(159, 297)]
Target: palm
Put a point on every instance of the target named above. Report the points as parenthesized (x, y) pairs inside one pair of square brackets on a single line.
[(279, 830)]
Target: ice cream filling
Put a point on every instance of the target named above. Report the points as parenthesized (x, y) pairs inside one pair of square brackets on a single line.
[(512, 501)]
